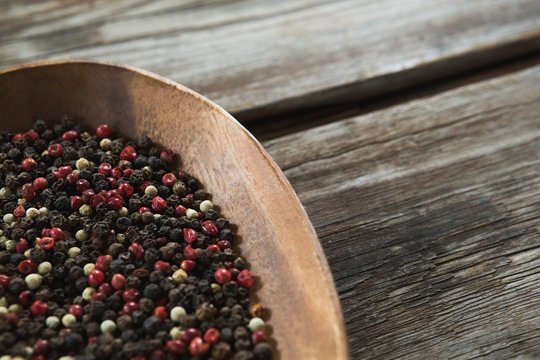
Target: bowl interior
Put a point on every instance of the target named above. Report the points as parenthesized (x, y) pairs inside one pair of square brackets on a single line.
[(275, 233)]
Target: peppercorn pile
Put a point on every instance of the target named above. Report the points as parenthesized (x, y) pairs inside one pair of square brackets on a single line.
[(106, 252)]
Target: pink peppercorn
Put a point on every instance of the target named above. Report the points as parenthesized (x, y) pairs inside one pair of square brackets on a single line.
[(116, 172), (57, 234), (115, 203), (167, 156), (187, 265), (213, 248), (189, 253), (29, 164), (129, 307), (118, 281), (82, 185), (161, 313), (62, 172), (105, 169), (72, 178), (179, 210), (212, 336), (55, 150), (222, 276), (209, 228), (223, 244), (39, 183), (244, 279), (27, 266), (168, 179), (70, 135), (17, 137), (103, 131), (97, 199), (131, 294), (41, 347), (27, 192), (258, 337), (159, 204), (76, 202), (25, 297), (175, 347), (125, 190), (137, 250), (163, 267), (38, 308), (19, 211), (128, 153), (106, 289), (4, 281), (190, 235), (21, 246), (46, 242), (103, 262), (96, 278), (143, 209), (77, 311), (197, 347), (99, 296), (31, 135), (189, 334)]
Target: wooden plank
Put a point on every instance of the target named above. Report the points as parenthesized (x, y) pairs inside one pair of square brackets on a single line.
[(258, 57), (429, 213)]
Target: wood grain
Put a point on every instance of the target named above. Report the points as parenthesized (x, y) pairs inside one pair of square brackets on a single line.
[(429, 214), (245, 183), (258, 57)]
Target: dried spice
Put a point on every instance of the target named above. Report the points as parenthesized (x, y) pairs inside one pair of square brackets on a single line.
[(107, 252)]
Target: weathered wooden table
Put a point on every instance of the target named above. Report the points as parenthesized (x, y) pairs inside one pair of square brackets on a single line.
[(410, 130)]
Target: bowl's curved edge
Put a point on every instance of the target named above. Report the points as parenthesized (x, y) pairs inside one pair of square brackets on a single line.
[(339, 330)]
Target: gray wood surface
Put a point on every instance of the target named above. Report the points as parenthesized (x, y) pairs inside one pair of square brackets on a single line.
[(261, 56), (429, 215)]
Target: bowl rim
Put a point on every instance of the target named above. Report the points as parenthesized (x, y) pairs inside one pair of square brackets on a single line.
[(342, 346)]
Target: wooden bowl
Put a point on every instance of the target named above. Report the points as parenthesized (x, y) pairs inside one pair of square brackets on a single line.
[(276, 236)]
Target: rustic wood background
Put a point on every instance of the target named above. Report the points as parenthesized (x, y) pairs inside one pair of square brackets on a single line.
[(410, 130)]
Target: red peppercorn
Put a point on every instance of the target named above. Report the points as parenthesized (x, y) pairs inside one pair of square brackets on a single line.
[(127, 172), (118, 281), (137, 250), (162, 266), (4, 281), (159, 204), (103, 262), (213, 248), (187, 265), (76, 202), (12, 318), (19, 211), (190, 253), (31, 135), (106, 289), (70, 135), (179, 210), (25, 297), (103, 131), (161, 313), (125, 190), (223, 244), (138, 357), (45, 242), (131, 294), (258, 337), (77, 311), (96, 278), (92, 340), (116, 172), (21, 246), (39, 183), (113, 183), (72, 178), (168, 179), (143, 209), (45, 232), (62, 172), (41, 347), (39, 308), (229, 265), (57, 234), (81, 185), (27, 266), (212, 336), (97, 199), (190, 199), (128, 153), (99, 296), (29, 164), (17, 137), (105, 169), (129, 307), (167, 156), (197, 347), (115, 203), (27, 192), (189, 334), (190, 235), (111, 193), (87, 195), (144, 185), (55, 150), (175, 347), (244, 279), (209, 228), (222, 276)]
